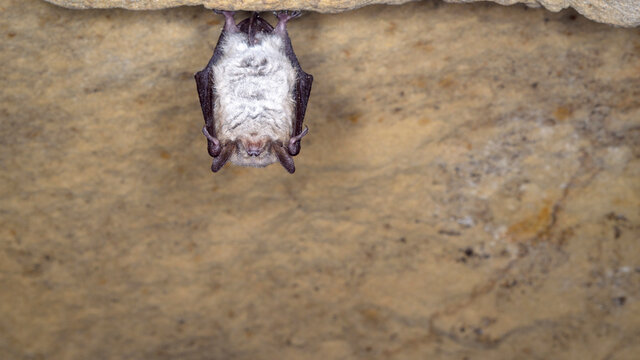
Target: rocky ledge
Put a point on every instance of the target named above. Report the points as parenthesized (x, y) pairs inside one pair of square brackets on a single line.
[(615, 12)]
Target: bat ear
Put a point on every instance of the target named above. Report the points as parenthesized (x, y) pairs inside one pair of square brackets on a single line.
[(225, 154), (294, 143), (213, 145), (285, 159), (214, 148)]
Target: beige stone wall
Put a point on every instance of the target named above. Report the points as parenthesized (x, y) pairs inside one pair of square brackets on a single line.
[(616, 12), (468, 190)]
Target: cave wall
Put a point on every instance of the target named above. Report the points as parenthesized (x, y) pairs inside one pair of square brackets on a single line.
[(468, 189)]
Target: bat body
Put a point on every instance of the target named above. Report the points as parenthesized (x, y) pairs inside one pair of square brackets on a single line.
[(254, 95)]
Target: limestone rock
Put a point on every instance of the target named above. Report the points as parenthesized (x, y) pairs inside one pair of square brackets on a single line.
[(257, 5), (615, 12)]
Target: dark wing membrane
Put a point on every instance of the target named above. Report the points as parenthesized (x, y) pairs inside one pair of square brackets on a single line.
[(302, 89), (205, 84)]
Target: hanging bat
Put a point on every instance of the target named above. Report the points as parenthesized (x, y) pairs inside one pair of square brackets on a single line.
[(254, 94)]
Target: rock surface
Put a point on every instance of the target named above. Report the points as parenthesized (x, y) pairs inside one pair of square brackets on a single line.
[(469, 189), (616, 12)]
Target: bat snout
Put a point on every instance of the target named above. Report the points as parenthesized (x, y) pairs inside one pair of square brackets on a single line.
[(253, 152), (254, 148)]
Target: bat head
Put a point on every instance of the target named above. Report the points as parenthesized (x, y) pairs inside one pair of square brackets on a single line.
[(262, 151), (253, 150)]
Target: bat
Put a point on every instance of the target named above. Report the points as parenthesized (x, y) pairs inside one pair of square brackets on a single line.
[(254, 94)]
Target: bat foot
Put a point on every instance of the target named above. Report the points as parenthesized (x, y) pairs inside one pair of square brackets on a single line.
[(284, 17), (229, 21)]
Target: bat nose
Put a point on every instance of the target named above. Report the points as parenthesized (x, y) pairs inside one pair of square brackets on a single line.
[(254, 148)]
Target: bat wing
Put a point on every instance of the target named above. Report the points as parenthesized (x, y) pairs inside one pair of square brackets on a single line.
[(302, 91), (205, 84)]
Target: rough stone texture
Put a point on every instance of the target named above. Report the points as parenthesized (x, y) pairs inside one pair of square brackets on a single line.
[(261, 5), (469, 189), (616, 12)]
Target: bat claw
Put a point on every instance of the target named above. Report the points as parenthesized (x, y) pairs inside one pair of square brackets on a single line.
[(287, 14), (283, 17)]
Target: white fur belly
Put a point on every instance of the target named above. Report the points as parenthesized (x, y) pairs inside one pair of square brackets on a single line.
[(254, 89)]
